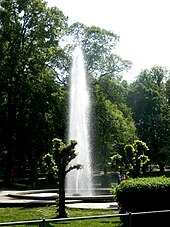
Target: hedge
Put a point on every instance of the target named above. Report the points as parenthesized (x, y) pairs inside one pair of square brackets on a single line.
[(144, 194)]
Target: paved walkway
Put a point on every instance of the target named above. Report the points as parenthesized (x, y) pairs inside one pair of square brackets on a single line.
[(7, 198)]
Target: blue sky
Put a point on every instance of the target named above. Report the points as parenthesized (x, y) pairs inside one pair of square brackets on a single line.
[(143, 27)]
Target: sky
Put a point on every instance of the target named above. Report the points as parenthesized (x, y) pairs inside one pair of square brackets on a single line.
[(143, 27)]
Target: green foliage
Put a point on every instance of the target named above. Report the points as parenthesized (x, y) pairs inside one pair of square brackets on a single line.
[(65, 154), (144, 194), (29, 43), (98, 46), (148, 100), (111, 118), (133, 160), (49, 165)]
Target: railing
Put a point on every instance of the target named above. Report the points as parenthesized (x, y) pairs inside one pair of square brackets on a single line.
[(42, 222)]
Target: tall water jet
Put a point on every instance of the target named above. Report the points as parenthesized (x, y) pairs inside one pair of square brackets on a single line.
[(79, 181)]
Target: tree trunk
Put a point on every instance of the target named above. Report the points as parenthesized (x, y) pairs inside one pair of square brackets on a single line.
[(10, 136), (33, 176), (61, 203)]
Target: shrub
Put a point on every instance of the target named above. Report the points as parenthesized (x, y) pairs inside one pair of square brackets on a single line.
[(49, 166), (144, 194)]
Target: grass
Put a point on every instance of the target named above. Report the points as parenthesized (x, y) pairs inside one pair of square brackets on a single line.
[(48, 212)]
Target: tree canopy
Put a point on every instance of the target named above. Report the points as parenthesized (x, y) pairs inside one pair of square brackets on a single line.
[(29, 42), (148, 100), (98, 46)]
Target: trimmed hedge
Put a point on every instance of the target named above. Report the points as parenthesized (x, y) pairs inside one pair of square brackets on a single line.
[(145, 194)]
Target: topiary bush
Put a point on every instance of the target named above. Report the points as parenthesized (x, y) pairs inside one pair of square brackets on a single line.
[(144, 194)]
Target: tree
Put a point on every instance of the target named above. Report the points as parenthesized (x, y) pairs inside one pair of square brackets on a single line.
[(148, 101), (134, 160), (63, 155), (98, 47), (29, 43), (111, 120)]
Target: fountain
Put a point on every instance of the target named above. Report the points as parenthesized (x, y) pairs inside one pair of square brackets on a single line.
[(79, 182)]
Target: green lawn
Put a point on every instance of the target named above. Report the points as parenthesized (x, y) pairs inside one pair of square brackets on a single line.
[(48, 212)]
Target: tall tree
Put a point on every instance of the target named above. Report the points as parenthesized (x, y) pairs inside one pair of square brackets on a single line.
[(147, 98), (112, 119), (29, 40), (98, 46)]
